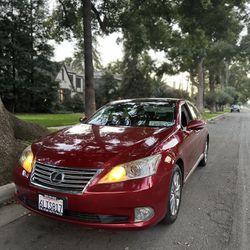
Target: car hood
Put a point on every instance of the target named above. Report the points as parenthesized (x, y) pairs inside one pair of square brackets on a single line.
[(92, 146)]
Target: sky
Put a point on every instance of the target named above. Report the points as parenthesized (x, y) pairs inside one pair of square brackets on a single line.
[(108, 48)]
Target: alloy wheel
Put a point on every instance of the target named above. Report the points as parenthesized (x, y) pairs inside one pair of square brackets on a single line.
[(175, 193)]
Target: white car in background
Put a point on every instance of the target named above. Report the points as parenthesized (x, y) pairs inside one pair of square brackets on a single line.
[(235, 108)]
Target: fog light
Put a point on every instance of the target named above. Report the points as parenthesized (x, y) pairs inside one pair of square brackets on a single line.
[(143, 213)]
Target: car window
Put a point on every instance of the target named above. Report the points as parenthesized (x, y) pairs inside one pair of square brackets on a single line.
[(185, 116), (235, 106), (135, 114), (194, 111)]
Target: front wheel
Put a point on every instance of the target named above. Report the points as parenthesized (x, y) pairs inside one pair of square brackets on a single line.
[(174, 196)]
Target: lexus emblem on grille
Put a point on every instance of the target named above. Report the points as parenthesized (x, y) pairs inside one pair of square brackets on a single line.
[(56, 177)]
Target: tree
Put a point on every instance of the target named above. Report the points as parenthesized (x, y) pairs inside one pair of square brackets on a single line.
[(25, 66), (143, 23), (108, 87), (222, 98), (219, 23), (137, 80), (240, 81)]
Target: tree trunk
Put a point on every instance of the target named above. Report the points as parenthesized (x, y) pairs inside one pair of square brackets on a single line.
[(212, 88), (90, 105), (7, 143), (227, 73), (193, 83), (221, 73), (12, 134), (13, 65), (31, 78), (200, 95)]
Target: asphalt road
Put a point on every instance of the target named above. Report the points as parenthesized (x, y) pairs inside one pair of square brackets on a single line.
[(215, 209)]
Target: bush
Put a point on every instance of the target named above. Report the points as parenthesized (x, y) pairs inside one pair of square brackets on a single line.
[(74, 104)]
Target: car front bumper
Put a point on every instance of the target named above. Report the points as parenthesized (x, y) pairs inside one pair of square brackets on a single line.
[(110, 210)]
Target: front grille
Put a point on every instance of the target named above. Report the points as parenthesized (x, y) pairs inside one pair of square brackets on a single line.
[(71, 180)]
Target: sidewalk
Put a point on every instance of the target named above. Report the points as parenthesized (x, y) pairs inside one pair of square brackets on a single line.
[(6, 192)]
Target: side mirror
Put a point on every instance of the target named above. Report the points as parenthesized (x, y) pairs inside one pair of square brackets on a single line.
[(196, 125), (82, 119)]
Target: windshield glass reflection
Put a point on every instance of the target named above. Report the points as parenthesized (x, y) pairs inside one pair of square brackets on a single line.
[(136, 114)]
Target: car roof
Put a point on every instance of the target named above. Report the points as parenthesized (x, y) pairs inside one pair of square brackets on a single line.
[(148, 100)]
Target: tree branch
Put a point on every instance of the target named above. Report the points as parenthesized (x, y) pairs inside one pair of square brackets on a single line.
[(65, 14), (98, 17), (192, 79)]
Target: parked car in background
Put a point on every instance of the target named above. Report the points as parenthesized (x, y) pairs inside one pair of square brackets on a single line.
[(235, 108), (124, 167)]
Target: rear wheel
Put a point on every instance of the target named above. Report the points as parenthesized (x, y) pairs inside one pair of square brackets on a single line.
[(174, 196), (203, 162)]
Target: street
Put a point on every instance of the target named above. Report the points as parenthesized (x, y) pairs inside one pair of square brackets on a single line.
[(215, 209)]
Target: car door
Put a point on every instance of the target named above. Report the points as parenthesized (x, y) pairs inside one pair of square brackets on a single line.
[(188, 147), (199, 135)]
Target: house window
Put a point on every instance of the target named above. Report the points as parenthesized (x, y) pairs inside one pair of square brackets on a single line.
[(78, 82), (62, 74)]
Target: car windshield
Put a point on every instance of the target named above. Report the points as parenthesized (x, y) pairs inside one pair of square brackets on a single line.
[(136, 114)]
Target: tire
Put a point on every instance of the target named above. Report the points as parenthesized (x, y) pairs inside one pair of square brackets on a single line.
[(203, 162), (174, 196)]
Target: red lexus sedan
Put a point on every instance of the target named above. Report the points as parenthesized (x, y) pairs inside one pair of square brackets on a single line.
[(124, 167)]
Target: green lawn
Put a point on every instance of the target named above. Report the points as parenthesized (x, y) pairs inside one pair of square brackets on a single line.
[(51, 120), (209, 115)]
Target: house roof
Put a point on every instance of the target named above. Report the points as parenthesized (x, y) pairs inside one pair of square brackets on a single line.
[(67, 72)]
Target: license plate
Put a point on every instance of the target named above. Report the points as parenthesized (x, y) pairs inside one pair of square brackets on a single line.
[(50, 204)]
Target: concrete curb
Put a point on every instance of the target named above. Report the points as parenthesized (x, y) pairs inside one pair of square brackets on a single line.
[(6, 192), (60, 127), (216, 117)]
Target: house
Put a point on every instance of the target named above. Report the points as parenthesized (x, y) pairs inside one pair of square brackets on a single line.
[(71, 83)]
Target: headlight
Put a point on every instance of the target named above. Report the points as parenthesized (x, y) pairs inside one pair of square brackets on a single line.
[(132, 170), (27, 159)]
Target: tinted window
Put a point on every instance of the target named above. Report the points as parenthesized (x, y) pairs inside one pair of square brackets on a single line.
[(185, 116), (194, 111), (135, 114)]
